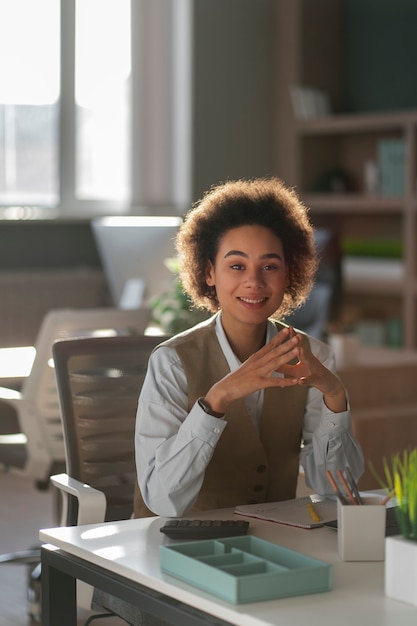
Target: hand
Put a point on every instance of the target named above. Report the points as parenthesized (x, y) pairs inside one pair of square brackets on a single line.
[(296, 369), (259, 371), (310, 371)]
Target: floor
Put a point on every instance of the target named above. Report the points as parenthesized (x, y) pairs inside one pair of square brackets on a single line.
[(23, 512)]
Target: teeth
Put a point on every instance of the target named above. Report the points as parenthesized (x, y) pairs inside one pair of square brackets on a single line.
[(250, 301)]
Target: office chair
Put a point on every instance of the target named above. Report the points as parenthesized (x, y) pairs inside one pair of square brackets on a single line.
[(32, 442), (36, 446), (99, 382)]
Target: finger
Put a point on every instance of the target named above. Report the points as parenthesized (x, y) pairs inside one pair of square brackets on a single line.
[(283, 382), (299, 370), (281, 360), (281, 337), (272, 356), (268, 349)]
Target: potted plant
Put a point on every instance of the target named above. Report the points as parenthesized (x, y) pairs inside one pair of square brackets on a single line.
[(401, 550), (172, 311)]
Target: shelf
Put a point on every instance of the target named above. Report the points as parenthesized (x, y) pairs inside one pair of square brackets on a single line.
[(373, 276), (367, 288), (357, 122), (354, 202)]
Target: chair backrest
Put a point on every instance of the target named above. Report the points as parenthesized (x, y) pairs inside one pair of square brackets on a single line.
[(99, 381), (40, 415)]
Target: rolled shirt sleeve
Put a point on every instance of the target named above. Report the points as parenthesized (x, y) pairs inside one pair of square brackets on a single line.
[(328, 441)]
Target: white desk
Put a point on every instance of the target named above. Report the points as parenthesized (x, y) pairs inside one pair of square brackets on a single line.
[(123, 558), (15, 365)]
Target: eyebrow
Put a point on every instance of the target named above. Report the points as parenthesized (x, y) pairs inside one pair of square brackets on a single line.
[(268, 255)]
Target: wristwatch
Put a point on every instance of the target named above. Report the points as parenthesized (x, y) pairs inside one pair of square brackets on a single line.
[(207, 409)]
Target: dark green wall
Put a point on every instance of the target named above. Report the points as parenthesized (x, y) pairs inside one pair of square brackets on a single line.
[(381, 61)]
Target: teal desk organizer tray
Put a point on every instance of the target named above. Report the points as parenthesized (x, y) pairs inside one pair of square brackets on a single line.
[(245, 569)]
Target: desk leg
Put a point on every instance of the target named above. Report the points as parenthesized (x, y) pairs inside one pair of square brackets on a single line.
[(58, 596), (59, 574)]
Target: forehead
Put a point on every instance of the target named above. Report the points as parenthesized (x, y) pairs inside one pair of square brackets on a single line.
[(250, 239)]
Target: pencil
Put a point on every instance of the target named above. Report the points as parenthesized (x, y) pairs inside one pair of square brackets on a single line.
[(353, 485), (336, 489), (313, 513), (387, 497), (346, 487)]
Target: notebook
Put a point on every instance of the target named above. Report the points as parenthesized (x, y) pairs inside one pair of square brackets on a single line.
[(294, 512)]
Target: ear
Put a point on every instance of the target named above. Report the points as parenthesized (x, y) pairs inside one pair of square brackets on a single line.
[(210, 280)]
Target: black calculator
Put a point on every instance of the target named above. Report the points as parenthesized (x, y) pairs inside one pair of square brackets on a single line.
[(204, 529)]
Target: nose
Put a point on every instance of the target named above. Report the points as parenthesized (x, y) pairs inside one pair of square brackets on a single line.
[(254, 278)]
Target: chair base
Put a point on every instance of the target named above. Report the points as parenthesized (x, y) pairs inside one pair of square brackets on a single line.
[(25, 557)]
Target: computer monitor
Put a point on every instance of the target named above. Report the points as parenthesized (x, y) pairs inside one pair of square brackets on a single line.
[(132, 250)]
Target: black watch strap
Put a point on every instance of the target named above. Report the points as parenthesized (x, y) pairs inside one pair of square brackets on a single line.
[(207, 409)]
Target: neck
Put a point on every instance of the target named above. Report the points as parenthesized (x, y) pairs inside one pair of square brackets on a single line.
[(246, 341)]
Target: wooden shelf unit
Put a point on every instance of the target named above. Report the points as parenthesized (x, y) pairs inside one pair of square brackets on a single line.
[(311, 51), (346, 143)]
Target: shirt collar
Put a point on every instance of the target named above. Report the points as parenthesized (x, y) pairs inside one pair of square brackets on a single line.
[(232, 360)]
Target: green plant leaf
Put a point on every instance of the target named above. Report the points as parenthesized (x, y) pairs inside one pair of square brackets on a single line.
[(401, 473)]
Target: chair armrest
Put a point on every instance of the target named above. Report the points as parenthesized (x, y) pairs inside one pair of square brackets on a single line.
[(91, 502), (91, 510)]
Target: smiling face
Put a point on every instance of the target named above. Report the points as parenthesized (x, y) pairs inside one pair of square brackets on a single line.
[(249, 274)]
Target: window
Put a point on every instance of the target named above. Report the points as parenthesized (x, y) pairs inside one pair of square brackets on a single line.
[(30, 94), (71, 71), (29, 101), (102, 96)]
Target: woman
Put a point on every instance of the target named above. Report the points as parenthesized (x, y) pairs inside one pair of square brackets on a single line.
[(230, 407)]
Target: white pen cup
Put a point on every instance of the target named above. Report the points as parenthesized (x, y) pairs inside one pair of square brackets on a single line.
[(361, 530)]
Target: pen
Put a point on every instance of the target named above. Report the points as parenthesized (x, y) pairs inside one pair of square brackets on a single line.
[(336, 489), (346, 487), (313, 513), (353, 485)]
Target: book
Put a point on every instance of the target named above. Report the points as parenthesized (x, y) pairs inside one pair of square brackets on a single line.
[(391, 162), (296, 512), (308, 102)]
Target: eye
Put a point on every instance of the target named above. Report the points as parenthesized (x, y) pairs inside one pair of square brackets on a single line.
[(237, 266), (269, 267)]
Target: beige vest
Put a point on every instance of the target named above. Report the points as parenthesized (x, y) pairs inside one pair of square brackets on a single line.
[(246, 467)]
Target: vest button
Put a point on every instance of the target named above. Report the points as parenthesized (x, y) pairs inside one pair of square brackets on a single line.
[(258, 488), (261, 469)]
